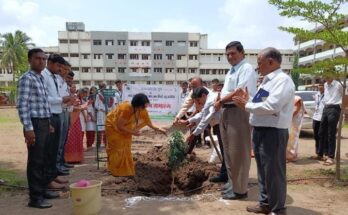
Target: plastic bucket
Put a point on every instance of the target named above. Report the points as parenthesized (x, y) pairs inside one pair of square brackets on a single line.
[(86, 200)]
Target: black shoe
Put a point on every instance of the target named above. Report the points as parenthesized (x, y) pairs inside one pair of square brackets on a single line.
[(51, 194), (63, 173), (67, 165), (234, 196), (218, 179), (39, 204)]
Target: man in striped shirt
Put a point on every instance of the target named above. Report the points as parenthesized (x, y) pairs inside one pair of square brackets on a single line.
[(34, 113)]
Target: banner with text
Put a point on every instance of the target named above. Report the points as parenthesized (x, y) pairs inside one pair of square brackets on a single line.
[(164, 99)]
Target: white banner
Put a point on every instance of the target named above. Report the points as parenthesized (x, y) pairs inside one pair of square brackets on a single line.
[(164, 99)]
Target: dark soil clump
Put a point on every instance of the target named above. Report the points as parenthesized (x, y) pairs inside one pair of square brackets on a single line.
[(153, 176)]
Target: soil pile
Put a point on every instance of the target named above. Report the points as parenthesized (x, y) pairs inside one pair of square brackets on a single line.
[(154, 177)]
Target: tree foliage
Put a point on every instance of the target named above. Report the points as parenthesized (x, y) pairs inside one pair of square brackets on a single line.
[(329, 23), (177, 150), (13, 52)]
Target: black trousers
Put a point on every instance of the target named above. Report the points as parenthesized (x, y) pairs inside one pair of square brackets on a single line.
[(37, 163), (52, 149), (316, 126), (270, 155), (327, 130), (223, 171)]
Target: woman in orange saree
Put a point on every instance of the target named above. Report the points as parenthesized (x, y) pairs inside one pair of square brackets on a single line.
[(121, 124)]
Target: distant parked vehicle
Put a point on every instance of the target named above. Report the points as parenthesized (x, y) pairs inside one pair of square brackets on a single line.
[(308, 98)]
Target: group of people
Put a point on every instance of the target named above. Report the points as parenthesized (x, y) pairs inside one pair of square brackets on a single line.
[(246, 115), (56, 117)]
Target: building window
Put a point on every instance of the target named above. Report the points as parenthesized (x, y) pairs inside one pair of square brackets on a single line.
[(74, 69), (169, 43), (213, 71), (109, 70), (85, 69), (192, 70), (86, 83), (160, 82), (134, 69), (109, 42), (192, 57), (64, 54), (193, 43), (74, 55), (109, 55), (97, 42), (226, 71), (121, 56), (182, 43), (132, 82), (145, 56), (145, 43), (170, 56), (157, 56), (121, 42), (157, 42), (159, 70), (98, 69), (219, 58), (121, 69), (63, 41), (180, 56), (169, 70), (85, 56), (133, 43), (98, 56), (181, 70), (148, 82), (169, 82), (146, 70), (133, 57), (73, 41), (204, 71)]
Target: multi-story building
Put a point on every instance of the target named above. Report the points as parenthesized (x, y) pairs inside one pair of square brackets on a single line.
[(313, 51), (145, 58)]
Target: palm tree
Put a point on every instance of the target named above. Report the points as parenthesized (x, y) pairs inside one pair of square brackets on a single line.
[(13, 51)]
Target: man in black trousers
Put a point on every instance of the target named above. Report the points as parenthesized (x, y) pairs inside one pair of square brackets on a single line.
[(34, 113), (271, 115)]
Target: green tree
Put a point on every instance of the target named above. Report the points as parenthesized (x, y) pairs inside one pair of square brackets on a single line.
[(13, 52), (330, 22), (295, 75)]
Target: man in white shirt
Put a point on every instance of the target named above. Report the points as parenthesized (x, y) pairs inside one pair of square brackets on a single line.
[(118, 93), (271, 115), (318, 112), (184, 92), (234, 125), (64, 116), (208, 116), (55, 100), (333, 92)]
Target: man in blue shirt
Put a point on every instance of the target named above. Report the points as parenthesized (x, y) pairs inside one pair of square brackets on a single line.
[(34, 113)]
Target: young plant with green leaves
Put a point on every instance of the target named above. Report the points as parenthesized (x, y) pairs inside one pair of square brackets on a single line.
[(329, 22), (177, 153)]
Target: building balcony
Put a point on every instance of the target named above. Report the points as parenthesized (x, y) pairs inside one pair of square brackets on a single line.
[(139, 74), (139, 49), (110, 76), (97, 63), (193, 63), (320, 56), (6, 77), (181, 63), (139, 63)]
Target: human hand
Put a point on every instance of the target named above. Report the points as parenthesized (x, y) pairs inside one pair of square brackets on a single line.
[(217, 105), (183, 122), (162, 130), (176, 120), (29, 138), (51, 129), (191, 125)]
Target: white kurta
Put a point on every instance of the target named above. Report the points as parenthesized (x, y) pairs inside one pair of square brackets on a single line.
[(100, 107)]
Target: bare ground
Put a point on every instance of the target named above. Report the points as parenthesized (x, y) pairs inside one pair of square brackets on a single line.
[(315, 196)]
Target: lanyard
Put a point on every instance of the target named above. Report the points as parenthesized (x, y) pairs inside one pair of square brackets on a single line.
[(319, 100)]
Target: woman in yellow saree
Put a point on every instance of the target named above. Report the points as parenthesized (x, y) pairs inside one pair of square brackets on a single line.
[(121, 124)]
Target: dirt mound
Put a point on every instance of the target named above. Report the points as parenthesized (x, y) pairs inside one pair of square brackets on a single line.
[(154, 177)]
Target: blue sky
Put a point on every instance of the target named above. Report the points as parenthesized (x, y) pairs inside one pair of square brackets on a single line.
[(253, 22)]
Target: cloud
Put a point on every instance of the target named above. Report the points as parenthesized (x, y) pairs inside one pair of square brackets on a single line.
[(27, 17), (176, 25)]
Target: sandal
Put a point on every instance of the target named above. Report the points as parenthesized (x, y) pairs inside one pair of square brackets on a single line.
[(329, 162)]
